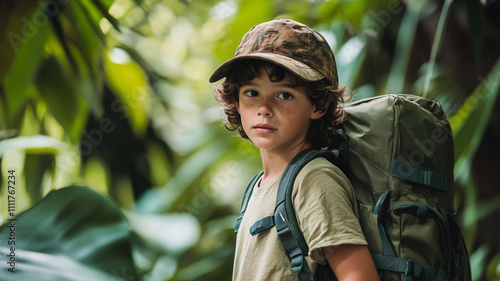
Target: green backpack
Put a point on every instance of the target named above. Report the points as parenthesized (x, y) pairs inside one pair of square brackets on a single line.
[(397, 151)]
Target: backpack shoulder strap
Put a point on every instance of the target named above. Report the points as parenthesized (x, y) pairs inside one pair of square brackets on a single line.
[(246, 198), (284, 215)]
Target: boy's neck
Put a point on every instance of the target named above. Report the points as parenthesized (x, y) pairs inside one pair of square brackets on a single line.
[(274, 162)]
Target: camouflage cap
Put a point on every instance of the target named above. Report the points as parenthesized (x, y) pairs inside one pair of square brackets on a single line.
[(290, 44)]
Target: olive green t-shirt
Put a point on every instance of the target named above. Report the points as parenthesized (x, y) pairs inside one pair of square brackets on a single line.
[(327, 214)]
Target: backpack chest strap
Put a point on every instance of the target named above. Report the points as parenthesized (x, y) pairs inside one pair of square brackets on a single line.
[(262, 225)]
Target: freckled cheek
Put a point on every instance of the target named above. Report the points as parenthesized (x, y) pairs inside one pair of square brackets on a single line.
[(246, 106), (292, 112)]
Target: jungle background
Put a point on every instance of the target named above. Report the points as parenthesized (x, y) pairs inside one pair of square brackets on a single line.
[(122, 167)]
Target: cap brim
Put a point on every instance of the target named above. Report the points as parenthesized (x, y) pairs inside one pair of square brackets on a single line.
[(300, 69)]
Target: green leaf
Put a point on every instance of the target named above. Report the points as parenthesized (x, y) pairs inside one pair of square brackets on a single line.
[(470, 121), (89, 42), (349, 60), (62, 96), (38, 144), (436, 44), (477, 260), (35, 168), (73, 231), (15, 30), (406, 35), (28, 42), (103, 6)]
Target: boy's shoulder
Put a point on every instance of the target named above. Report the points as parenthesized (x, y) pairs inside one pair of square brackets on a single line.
[(321, 170), (318, 166)]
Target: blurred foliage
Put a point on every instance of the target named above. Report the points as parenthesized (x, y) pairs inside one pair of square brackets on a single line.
[(76, 230), (113, 95)]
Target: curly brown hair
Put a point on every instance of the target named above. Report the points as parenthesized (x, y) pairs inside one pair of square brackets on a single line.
[(322, 95)]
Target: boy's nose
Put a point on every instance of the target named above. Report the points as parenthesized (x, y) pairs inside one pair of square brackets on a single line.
[(265, 109)]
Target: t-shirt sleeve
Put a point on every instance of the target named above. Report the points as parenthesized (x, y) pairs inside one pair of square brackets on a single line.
[(325, 206)]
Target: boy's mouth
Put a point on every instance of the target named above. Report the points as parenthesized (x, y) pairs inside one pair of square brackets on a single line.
[(264, 128)]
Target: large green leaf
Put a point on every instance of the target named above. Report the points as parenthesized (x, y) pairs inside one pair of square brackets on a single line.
[(72, 234)]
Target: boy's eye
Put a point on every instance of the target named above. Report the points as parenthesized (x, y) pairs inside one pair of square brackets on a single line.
[(285, 96), (251, 93)]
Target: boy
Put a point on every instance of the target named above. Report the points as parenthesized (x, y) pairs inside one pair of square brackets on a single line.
[(281, 92)]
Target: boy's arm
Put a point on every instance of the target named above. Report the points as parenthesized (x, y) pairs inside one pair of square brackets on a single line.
[(351, 262)]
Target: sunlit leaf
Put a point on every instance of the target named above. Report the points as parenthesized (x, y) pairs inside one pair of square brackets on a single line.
[(103, 6), (28, 48), (46, 267), (172, 233), (32, 144), (349, 60), (131, 87)]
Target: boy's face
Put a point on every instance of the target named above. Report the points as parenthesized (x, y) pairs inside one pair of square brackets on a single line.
[(275, 115)]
